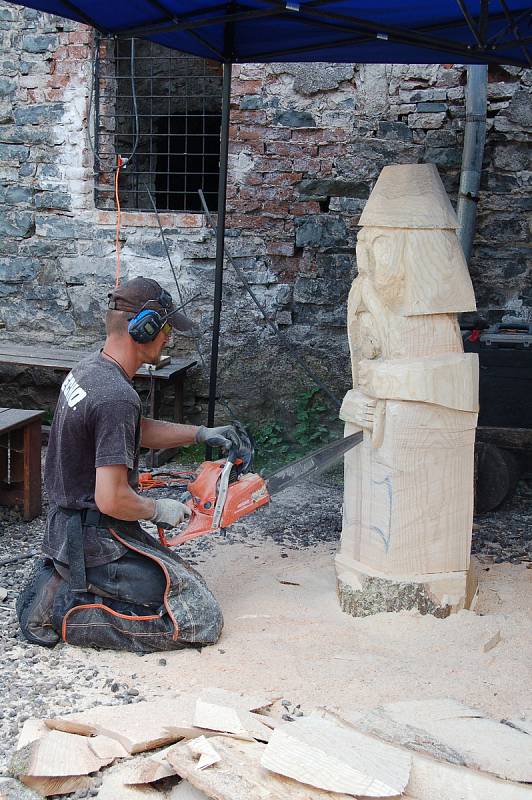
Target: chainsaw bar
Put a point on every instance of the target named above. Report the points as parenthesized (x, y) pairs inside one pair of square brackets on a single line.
[(312, 464)]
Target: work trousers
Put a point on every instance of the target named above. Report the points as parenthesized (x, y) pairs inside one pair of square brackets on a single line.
[(147, 600)]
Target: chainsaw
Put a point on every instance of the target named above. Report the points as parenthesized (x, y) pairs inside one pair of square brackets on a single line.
[(224, 491)]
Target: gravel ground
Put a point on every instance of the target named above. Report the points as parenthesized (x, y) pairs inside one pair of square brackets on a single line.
[(38, 682)]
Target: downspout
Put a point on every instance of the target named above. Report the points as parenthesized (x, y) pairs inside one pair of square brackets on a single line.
[(220, 239), (473, 153)]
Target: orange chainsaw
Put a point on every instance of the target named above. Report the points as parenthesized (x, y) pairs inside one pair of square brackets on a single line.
[(224, 492)]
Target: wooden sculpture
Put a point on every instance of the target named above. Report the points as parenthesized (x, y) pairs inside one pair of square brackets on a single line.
[(408, 505)]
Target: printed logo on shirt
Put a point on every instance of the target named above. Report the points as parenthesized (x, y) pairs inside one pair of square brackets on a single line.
[(72, 391)]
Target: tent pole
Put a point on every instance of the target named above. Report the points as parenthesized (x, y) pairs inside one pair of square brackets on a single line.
[(473, 153), (220, 237)]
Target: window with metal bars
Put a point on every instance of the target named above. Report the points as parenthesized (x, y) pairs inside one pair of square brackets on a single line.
[(164, 107)]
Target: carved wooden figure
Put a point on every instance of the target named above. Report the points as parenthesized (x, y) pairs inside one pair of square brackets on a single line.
[(408, 504)]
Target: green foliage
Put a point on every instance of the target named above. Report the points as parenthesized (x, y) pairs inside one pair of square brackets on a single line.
[(277, 444), (310, 430), (270, 445), (191, 454)]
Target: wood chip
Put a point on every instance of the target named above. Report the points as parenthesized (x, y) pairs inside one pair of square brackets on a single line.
[(207, 755), (226, 719), (318, 752), (107, 749), (239, 774), (148, 770), (31, 730), (139, 726), (3, 594), (492, 642), (56, 755)]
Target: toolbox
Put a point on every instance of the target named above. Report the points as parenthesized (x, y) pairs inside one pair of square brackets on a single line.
[(505, 360)]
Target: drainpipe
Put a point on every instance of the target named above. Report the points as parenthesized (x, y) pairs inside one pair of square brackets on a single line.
[(473, 152)]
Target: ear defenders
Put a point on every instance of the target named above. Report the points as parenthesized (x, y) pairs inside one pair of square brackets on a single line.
[(147, 323), (145, 326)]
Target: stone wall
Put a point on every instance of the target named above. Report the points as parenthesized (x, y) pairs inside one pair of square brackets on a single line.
[(307, 143)]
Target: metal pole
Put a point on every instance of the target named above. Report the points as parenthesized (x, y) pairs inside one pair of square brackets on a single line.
[(220, 239), (473, 152)]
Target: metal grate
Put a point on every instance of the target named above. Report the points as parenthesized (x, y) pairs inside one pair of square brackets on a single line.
[(178, 101)]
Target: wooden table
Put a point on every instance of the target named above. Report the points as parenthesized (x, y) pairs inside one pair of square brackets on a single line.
[(20, 460), (63, 360)]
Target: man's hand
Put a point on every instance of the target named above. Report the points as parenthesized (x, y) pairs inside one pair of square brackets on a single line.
[(224, 436), (169, 513)]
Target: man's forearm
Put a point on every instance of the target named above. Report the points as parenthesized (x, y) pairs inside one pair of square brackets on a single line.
[(126, 504), (157, 434)]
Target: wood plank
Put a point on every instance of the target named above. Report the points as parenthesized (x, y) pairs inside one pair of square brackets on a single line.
[(438, 780), (36, 361), (55, 786), (434, 779), (44, 350), (138, 727), (239, 774), (323, 754), (13, 418), (455, 733), (32, 470), (64, 359), (56, 755)]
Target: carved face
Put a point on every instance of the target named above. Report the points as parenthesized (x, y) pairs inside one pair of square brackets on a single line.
[(379, 257)]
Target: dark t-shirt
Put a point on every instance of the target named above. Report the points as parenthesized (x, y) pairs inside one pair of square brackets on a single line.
[(96, 424)]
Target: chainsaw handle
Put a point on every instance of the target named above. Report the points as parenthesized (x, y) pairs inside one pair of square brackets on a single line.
[(232, 455)]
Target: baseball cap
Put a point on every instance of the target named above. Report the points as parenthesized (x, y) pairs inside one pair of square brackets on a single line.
[(145, 293)]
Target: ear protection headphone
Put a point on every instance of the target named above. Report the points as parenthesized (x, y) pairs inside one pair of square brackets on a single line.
[(148, 323)]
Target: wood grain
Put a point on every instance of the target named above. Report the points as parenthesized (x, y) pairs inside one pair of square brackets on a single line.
[(239, 774), (408, 489), (318, 752)]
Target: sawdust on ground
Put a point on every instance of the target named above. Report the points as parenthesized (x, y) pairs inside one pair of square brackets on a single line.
[(285, 634)]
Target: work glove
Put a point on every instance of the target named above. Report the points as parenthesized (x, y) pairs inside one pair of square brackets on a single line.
[(224, 436), (169, 513)]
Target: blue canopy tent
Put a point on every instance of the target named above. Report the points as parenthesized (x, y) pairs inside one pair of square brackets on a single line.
[(371, 31), (352, 31)]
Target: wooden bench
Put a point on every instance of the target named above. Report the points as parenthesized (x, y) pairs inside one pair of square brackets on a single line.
[(20, 460), (63, 360)]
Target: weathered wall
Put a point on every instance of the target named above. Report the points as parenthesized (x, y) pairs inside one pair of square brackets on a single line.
[(307, 143)]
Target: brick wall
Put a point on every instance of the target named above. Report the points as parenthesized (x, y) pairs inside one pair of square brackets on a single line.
[(307, 143)]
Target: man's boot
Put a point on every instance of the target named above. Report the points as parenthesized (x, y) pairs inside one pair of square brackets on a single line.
[(35, 602)]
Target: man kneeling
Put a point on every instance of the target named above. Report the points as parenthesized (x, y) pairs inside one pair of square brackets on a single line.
[(103, 581)]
